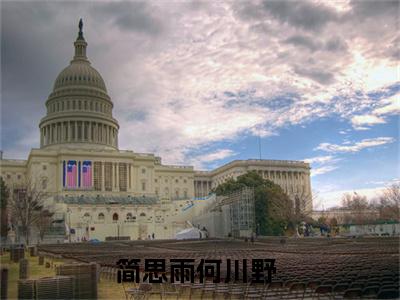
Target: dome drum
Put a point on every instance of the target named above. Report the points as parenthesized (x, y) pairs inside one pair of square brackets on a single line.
[(77, 104), (78, 131)]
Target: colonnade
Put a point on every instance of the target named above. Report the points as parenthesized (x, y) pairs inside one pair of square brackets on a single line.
[(78, 131), (202, 188)]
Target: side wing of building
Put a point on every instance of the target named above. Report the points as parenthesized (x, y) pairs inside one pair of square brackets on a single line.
[(292, 176)]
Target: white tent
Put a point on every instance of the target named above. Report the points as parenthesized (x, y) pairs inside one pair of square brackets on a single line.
[(189, 233)]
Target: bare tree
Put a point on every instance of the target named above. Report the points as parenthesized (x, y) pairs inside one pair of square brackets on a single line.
[(303, 201), (361, 210), (389, 203), (44, 222), (27, 206)]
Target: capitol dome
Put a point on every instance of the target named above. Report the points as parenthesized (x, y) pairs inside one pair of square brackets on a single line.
[(79, 73), (79, 110)]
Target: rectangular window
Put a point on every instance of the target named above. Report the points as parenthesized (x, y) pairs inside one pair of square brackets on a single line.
[(143, 186), (108, 176), (97, 175), (122, 177)]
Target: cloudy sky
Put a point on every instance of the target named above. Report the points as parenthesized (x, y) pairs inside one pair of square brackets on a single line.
[(202, 83)]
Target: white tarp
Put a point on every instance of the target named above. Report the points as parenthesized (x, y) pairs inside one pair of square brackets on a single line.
[(189, 233)]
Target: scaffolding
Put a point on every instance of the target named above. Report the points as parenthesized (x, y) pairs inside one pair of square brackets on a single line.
[(230, 215), (242, 212)]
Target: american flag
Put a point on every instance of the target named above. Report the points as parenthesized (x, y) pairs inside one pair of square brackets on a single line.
[(87, 173), (71, 173)]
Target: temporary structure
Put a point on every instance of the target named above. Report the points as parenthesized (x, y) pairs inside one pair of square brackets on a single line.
[(189, 233)]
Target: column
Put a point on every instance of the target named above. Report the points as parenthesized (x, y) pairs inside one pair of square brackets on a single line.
[(58, 132), (49, 132), (68, 131), (90, 131), (53, 133), (62, 132), (47, 141), (117, 171), (293, 182), (82, 131), (94, 132), (100, 128), (103, 177), (59, 180), (113, 176), (132, 178), (76, 130), (41, 137)]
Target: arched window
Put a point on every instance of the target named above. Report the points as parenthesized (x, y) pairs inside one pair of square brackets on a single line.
[(115, 217), (142, 214), (86, 215), (101, 217)]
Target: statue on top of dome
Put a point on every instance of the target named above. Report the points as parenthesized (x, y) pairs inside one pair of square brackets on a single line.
[(80, 29)]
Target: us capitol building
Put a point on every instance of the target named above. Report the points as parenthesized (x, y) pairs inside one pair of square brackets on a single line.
[(101, 191)]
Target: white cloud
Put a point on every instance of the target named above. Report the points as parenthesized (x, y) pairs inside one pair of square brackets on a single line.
[(217, 155), (360, 120), (322, 170), (355, 147), (390, 106), (199, 161), (167, 75), (319, 159), (322, 164)]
